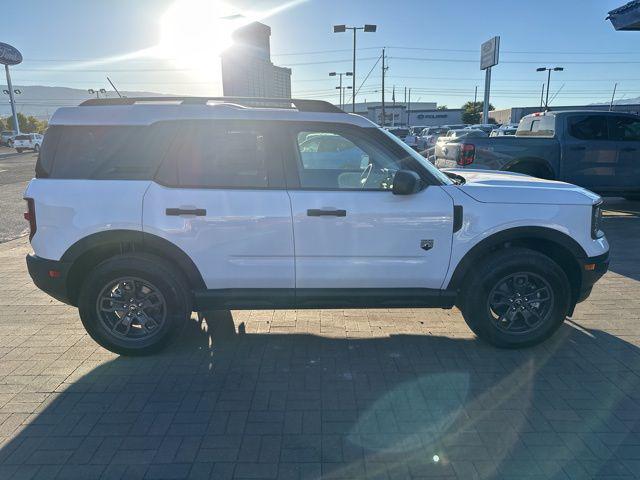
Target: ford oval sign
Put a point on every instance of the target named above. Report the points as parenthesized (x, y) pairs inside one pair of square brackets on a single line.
[(9, 55)]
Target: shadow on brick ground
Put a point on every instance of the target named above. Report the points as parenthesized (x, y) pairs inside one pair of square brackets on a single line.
[(223, 404)]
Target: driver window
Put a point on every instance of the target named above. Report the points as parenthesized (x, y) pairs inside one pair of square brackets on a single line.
[(330, 160)]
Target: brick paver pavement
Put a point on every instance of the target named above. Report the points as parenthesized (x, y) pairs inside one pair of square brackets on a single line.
[(330, 393)]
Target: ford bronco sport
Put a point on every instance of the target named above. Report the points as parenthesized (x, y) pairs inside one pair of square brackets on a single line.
[(144, 210)]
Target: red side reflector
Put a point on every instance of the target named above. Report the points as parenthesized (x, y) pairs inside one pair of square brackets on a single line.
[(590, 266), (54, 273)]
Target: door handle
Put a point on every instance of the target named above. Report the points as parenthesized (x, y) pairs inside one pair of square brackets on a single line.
[(175, 212), (578, 148), (628, 149), (316, 212)]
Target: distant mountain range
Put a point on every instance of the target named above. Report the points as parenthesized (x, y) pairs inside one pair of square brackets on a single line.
[(41, 101)]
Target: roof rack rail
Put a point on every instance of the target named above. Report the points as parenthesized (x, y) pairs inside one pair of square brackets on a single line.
[(254, 102)]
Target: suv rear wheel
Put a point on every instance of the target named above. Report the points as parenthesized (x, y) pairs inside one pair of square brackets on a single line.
[(516, 298), (134, 304)]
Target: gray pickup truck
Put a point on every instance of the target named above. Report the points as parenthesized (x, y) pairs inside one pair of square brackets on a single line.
[(596, 150)]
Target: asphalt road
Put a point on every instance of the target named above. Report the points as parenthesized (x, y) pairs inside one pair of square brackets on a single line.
[(15, 172)]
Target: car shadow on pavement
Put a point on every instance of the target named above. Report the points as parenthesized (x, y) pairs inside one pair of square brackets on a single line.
[(220, 403), (621, 224)]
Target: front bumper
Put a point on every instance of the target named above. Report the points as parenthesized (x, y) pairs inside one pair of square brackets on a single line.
[(592, 269), (50, 276)]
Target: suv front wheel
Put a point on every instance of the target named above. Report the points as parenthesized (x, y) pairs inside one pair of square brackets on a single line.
[(134, 304), (516, 298)]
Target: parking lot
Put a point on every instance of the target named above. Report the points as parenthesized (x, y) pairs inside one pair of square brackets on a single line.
[(15, 172), (319, 393)]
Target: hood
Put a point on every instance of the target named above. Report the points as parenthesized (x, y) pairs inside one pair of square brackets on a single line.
[(490, 186)]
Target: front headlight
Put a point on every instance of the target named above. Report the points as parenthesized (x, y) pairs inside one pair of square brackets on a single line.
[(596, 221)]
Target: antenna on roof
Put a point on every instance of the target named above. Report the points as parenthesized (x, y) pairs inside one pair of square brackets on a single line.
[(114, 87)]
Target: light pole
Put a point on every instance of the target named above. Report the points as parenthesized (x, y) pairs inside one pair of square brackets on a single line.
[(340, 74), (97, 92), (548, 70), (17, 91), (342, 29)]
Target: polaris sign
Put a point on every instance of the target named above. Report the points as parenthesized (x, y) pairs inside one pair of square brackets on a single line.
[(9, 55)]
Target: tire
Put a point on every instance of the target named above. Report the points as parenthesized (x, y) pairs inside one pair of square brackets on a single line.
[(19, 150), (123, 328), (36, 148), (487, 303)]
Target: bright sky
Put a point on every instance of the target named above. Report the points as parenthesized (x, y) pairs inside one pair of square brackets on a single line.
[(173, 46)]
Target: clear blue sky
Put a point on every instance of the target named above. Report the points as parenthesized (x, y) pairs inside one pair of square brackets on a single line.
[(55, 37)]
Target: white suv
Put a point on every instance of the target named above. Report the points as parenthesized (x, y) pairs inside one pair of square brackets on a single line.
[(144, 210), (27, 141)]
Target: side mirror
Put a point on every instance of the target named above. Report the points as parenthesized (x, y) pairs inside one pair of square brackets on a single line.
[(406, 182)]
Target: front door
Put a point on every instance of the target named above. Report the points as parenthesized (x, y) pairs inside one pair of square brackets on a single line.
[(350, 230), (589, 156)]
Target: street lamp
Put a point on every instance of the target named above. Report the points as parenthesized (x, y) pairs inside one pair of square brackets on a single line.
[(340, 74), (97, 91), (341, 29), (548, 70), (17, 91)]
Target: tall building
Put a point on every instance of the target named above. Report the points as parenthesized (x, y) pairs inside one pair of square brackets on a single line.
[(247, 70)]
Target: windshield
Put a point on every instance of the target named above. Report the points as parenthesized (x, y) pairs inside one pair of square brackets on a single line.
[(419, 158)]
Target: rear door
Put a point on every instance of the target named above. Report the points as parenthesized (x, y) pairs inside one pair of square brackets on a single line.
[(625, 130), (350, 230), (589, 156), (219, 196)]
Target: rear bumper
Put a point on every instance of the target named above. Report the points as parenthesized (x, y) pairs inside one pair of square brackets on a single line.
[(592, 269), (50, 276)]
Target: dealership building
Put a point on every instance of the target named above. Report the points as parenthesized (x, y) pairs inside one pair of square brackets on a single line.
[(403, 115), (247, 70)]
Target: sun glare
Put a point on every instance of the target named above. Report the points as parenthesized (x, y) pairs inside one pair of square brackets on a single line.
[(193, 33)]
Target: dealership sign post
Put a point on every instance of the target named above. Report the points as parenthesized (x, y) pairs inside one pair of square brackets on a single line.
[(10, 56), (489, 53)]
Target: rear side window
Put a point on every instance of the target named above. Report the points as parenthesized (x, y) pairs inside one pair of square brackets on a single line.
[(588, 127), (626, 129), (103, 152), (217, 154), (540, 126)]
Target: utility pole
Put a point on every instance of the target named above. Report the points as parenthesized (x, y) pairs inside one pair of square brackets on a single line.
[(475, 98), (409, 110), (542, 97), (615, 86), (384, 118)]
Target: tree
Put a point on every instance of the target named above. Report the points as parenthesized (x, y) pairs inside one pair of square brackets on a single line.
[(472, 112), (442, 107), (28, 124)]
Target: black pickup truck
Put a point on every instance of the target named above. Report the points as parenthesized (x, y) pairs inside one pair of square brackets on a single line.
[(596, 150)]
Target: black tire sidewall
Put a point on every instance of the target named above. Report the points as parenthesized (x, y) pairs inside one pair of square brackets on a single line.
[(496, 268), (151, 269)]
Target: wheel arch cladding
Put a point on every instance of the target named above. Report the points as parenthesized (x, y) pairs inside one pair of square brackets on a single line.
[(561, 248), (97, 247)]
